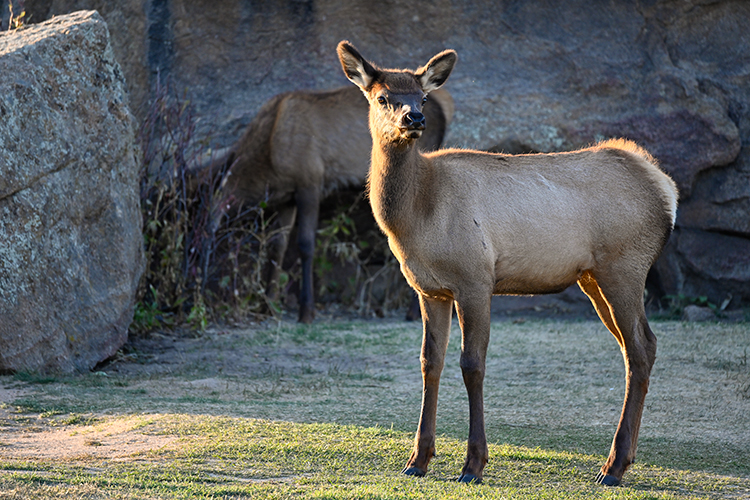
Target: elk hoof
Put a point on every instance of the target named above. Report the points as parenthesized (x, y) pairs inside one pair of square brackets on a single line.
[(306, 315), (607, 480), (414, 471), (469, 479)]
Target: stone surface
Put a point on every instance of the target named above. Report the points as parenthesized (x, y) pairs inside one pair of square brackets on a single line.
[(697, 313), (544, 76), (703, 263), (70, 224), (720, 202), (129, 37)]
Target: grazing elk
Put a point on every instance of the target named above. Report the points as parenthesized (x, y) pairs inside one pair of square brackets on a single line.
[(466, 225), (301, 146)]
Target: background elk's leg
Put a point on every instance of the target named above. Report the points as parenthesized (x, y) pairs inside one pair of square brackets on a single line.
[(474, 318), (623, 297), (436, 319), (308, 204), (277, 248)]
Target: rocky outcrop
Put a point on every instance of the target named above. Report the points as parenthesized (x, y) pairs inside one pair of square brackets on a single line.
[(70, 224), (545, 76)]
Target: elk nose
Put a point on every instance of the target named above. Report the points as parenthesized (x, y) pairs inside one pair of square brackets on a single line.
[(414, 120)]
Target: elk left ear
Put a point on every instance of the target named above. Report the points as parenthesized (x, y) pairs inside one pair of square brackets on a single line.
[(355, 67), (434, 74)]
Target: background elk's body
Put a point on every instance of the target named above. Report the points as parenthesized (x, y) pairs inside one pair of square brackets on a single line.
[(466, 225), (301, 146)]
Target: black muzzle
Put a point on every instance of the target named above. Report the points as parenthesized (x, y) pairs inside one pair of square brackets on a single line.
[(414, 120)]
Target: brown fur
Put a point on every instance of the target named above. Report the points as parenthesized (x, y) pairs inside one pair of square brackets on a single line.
[(301, 146), (466, 225)]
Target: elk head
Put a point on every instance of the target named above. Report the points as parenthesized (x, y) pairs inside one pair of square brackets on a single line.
[(396, 97)]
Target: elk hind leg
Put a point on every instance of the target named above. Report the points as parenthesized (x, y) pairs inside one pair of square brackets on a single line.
[(623, 296), (590, 287), (308, 206)]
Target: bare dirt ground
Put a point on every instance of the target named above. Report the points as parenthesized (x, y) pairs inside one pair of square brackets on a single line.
[(118, 439)]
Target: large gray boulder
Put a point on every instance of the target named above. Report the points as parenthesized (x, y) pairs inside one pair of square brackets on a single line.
[(70, 226)]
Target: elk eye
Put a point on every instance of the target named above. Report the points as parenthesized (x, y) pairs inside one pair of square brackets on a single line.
[(424, 99), (382, 100)]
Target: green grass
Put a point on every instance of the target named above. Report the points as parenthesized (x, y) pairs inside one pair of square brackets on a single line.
[(329, 411), (222, 457)]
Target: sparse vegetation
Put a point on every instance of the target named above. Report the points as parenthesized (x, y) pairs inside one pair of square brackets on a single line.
[(34, 378), (353, 265), (196, 272), (677, 303), (16, 21)]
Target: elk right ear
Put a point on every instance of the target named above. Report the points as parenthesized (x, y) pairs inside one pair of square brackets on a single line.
[(434, 74), (356, 68)]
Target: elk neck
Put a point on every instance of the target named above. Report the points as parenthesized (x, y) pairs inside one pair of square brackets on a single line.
[(394, 183)]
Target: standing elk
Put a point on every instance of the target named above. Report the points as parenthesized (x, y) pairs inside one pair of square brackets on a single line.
[(466, 225), (301, 146)]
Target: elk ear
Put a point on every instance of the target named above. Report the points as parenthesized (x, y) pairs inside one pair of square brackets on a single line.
[(356, 68), (434, 74)]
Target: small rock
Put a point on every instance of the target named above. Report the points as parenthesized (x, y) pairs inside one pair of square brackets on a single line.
[(698, 313)]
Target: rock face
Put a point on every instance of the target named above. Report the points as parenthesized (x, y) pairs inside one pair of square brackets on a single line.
[(544, 76), (70, 224)]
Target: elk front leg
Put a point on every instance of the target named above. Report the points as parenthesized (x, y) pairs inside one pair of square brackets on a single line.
[(436, 320), (474, 318), (308, 204)]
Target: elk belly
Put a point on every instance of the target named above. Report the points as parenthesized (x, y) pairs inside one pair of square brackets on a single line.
[(534, 273)]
